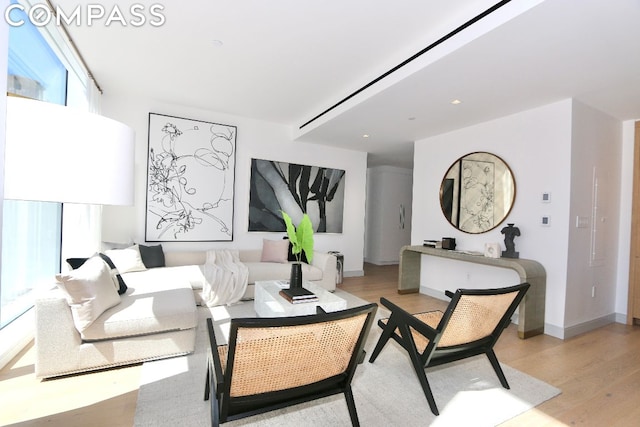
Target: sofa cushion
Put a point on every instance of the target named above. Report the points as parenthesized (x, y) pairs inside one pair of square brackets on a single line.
[(89, 291), (272, 271), (191, 275), (274, 250), (75, 263), (118, 282), (145, 310), (152, 256), (126, 260)]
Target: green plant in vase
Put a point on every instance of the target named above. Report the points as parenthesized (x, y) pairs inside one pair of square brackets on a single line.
[(301, 238)]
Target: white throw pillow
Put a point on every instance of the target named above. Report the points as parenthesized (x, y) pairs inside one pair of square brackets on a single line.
[(126, 260), (274, 251), (90, 291)]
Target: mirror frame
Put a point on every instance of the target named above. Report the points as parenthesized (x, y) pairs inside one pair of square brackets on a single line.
[(477, 165)]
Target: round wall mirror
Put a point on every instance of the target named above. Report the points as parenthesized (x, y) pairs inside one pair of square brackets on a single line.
[(477, 192)]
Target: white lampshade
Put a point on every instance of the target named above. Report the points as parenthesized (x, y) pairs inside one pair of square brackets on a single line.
[(59, 154)]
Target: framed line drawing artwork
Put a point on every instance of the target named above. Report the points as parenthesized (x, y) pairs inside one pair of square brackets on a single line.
[(190, 180), (477, 192), (477, 195), (295, 189)]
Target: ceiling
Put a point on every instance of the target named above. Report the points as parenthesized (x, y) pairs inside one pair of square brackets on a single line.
[(287, 61)]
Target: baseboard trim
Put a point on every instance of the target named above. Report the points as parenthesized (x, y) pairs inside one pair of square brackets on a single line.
[(378, 262), (353, 273), (433, 293), (590, 325), (553, 331), (621, 318), (581, 328)]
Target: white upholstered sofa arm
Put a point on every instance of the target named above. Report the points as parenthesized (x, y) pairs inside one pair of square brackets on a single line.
[(57, 338), (328, 264)]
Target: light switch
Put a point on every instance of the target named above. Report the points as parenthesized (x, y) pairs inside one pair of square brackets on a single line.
[(546, 197), (545, 221)]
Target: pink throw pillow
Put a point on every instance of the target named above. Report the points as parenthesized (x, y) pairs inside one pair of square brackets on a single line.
[(275, 251)]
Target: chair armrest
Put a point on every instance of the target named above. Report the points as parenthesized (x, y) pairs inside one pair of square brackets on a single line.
[(57, 339), (400, 316), (215, 356), (449, 294)]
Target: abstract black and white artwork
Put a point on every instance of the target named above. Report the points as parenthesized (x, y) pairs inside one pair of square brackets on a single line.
[(190, 180), (295, 189)]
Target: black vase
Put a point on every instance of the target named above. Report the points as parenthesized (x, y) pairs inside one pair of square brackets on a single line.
[(295, 281)]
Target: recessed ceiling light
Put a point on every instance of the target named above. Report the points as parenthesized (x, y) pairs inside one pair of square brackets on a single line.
[(412, 118), (365, 135), (456, 102), (217, 43)]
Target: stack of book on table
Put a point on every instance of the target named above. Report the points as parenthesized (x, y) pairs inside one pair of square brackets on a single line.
[(432, 244), (298, 295)]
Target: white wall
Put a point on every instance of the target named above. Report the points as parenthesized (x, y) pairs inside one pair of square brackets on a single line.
[(595, 194), (536, 144), (387, 189), (255, 139), (559, 148), (626, 198)]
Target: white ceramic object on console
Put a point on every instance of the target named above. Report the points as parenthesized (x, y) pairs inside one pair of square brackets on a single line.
[(492, 250)]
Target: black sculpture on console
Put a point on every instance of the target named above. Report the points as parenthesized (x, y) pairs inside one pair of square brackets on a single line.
[(510, 232)]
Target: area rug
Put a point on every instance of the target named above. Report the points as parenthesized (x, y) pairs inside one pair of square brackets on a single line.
[(386, 392)]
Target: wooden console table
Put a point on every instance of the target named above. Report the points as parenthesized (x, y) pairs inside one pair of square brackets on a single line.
[(531, 309)]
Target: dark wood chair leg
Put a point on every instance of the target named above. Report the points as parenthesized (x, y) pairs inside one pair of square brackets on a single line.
[(207, 383), (418, 367), (424, 383), (496, 367), (215, 413), (387, 331), (215, 410), (351, 405)]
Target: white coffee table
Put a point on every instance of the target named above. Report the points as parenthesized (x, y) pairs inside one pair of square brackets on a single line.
[(268, 302)]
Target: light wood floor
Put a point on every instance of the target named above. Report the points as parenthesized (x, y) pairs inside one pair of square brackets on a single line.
[(598, 373)]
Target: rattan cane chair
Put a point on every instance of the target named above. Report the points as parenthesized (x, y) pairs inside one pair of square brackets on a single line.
[(271, 363), (470, 326)]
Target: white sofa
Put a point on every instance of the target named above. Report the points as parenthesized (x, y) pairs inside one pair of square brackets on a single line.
[(321, 271), (156, 317)]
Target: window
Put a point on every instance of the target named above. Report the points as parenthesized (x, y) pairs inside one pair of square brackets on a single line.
[(30, 253), (31, 233)]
